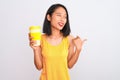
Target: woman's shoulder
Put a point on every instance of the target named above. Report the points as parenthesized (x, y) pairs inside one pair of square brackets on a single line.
[(43, 35)]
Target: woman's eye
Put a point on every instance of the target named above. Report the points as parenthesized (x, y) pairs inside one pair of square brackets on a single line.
[(58, 15)]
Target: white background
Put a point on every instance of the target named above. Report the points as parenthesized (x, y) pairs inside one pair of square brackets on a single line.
[(96, 20)]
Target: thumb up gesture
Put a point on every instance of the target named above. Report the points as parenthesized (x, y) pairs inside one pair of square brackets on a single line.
[(78, 43)]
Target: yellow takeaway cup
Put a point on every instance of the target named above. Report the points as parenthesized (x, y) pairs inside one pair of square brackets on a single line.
[(35, 32)]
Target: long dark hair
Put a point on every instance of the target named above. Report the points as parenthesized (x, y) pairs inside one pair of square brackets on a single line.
[(46, 25)]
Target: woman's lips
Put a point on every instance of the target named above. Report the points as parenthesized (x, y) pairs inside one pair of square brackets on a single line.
[(61, 24)]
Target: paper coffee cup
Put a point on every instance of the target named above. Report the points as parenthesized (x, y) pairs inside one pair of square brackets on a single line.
[(36, 34)]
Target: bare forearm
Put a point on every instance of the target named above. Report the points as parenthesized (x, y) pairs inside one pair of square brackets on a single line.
[(37, 59), (74, 58)]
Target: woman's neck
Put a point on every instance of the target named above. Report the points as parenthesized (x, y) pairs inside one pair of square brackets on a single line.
[(55, 34)]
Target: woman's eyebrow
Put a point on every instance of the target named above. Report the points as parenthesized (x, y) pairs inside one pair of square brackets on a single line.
[(60, 13)]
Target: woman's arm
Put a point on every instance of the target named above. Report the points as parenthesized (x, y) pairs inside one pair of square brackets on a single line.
[(38, 58), (37, 54), (74, 50)]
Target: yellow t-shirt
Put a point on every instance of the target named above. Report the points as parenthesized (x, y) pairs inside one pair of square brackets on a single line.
[(54, 60)]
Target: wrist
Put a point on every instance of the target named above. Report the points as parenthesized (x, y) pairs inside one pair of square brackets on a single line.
[(78, 50), (36, 50)]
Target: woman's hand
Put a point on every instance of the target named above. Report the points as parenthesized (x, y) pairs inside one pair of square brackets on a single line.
[(78, 43), (32, 43)]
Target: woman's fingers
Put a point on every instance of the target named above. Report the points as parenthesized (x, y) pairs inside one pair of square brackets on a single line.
[(76, 38), (31, 41), (84, 40), (78, 41), (30, 37)]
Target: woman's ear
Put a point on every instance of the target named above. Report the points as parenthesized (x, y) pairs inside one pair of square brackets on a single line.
[(48, 17)]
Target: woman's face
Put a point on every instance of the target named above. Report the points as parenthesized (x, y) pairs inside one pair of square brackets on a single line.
[(58, 18)]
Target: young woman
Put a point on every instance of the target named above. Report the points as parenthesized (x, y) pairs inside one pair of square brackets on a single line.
[(59, 51)]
